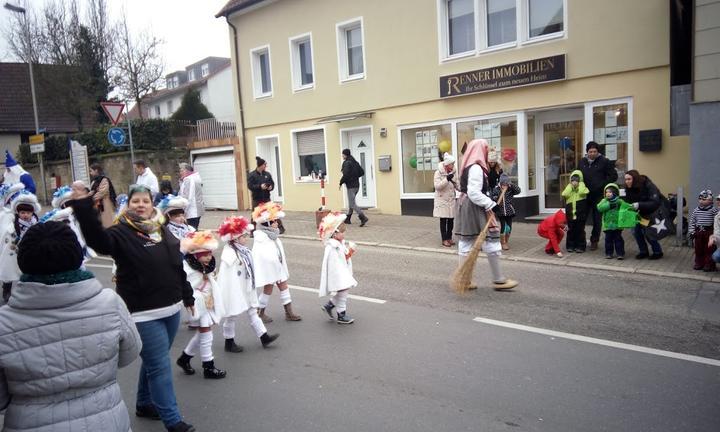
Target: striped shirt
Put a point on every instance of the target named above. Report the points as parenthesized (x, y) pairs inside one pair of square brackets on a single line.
[(702, 217)]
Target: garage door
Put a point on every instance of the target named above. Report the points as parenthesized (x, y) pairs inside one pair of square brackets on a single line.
[(217, 171)]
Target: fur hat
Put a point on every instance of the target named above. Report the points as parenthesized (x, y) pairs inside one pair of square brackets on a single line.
[(504, 179), (234, 227), (172, 202), (330, 224), (448, 159), (25, 198), (49, 248), (267, 212), (705, 194), (7, 192), (198, 241), (62, 195), (493, 156)]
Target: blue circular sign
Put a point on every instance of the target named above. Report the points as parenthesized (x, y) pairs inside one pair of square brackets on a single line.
[(116, 136)]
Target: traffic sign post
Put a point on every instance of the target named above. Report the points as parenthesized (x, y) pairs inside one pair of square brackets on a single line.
[(37, 145), (116, 136), (113, 110)]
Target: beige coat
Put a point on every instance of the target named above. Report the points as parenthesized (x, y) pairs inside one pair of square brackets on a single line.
[(445, 194), (107, 215)]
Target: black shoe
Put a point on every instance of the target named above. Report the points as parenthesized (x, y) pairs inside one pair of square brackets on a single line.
[(364, 222), (571, 249), (608, 257), (267, 339), (182, 427), (328, 307), (656, 256), (184, 363), (211, 372), (579, 251), (641, 255), (347, 220), (344, 318), (231, 346), (147, 411)]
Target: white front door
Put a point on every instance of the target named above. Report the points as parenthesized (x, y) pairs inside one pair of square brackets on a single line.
[(269, 149), (359, 141)]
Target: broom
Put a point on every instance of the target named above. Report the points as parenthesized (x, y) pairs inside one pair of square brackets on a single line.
[(462, 278)]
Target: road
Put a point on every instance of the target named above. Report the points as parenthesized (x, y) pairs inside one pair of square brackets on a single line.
[(421, 362)]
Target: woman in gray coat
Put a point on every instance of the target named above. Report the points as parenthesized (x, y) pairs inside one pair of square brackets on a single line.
[(62, 338)]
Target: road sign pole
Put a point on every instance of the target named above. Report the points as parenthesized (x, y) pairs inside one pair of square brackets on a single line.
[(132, 149)]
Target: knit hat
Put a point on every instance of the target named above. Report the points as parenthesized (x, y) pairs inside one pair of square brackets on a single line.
[(330, 224), (234, 227), (493, 156), (9, 160), (25, 200), (198, 242), (448, 159), (7, 192), (705, 194), (268, 212), (260, 161), (172, 202), (504, 179), (49, 248), (62, 195)]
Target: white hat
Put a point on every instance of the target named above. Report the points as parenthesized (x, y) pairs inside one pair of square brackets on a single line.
[(62, 195), (8, 191), (448, 159), (330, 224), (28, 198), (172, 202)]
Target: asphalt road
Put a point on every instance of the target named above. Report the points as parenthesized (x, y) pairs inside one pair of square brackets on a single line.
[(419, 362)]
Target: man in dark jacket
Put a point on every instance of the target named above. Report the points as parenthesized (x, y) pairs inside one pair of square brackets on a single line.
[(352, 171), (597, 172), (260, 183)]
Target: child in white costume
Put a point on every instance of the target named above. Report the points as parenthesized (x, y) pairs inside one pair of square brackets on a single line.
[(336, 276), (236, 279), (269, 258), (173, 207), (61, 213), (199, 266), (24, 209)]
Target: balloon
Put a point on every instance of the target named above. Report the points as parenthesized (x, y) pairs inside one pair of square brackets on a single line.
[(413, 161), (445, 146)]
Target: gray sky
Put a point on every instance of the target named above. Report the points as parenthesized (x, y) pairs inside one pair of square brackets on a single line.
[(189, 27)]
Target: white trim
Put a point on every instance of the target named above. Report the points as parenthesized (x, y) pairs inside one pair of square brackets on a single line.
[(222, 149), (588, 126), (371, 162), (341, 42), (527, 40), (296, 82), (281, 198), (257, 73), (522, 153), (293, 152)]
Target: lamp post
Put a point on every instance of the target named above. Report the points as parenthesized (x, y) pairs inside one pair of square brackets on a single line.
[(21, 10)]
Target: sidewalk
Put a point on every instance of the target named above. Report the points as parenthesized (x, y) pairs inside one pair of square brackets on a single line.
[(423, 234)]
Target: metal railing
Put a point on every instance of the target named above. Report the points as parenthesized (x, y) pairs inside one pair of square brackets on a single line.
[(210, 129)]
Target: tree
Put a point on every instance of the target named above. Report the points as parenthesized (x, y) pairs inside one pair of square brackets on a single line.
[(192, 108), (138, 64)]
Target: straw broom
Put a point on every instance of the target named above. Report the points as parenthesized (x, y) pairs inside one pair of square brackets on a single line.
[(462, 278)]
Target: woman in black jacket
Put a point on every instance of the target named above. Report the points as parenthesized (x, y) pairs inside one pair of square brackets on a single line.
[(152, 282), (645, 198)]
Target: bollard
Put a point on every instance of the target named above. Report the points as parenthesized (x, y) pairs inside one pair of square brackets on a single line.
[(679, 240)]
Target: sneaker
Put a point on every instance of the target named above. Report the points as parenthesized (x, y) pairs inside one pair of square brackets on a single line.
[(656, 256), (579, 250), (620, 257), (147, 411), (328, 307), (641, 255), (608, 257), (182, 427), (571, 250), (344, 318)]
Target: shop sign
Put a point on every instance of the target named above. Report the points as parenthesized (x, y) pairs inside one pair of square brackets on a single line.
[(529, 72)]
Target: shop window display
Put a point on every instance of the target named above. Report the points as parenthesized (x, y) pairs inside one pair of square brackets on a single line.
[(610, 130), (501, 135), (422, 149)]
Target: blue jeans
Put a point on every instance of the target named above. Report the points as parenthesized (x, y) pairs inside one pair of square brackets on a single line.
[(614, 243), (639, 234), (155, 386), (716, 255)]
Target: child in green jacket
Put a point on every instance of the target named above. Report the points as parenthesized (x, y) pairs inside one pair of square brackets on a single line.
[(616, 215), (576, 209)]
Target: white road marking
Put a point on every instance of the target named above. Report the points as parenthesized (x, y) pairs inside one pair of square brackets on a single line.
[(356, 297), (619, 345), (99, 266)]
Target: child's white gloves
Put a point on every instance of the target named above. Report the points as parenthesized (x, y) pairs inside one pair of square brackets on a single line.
[(636, 205)]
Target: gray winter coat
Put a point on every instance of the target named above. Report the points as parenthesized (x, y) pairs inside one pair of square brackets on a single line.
[(60, 349)]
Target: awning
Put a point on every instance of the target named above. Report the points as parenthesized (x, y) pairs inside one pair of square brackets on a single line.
[(344, 117)]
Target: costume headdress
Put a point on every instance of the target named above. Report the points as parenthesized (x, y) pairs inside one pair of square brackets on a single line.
[(172, 202), (268, 212), (330, 224), (7, 192), (199, 241), (234, 227), (26, 198), (61, 196), (9, 160), (705, 194)]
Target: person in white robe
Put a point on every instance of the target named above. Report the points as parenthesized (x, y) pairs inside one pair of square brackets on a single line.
[(336, 275)]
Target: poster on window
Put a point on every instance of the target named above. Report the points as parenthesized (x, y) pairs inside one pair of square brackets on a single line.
[(610, 135), (611, 151), (599, 135), (494, 129), (622, 134), (610, 119)]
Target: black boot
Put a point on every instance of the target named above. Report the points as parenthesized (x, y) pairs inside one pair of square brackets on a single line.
[(211, 372), (181, 427), (184, 363), (347, 219), (7, 287), (231, 346), (267, 339), (328, 307), (147, 411), (363, 220)]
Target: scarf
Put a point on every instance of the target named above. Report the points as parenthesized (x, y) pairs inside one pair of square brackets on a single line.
[(198, 266), (179, 230), (245, 255), (271, 232), (149, 227), (71, 276), (22, 226)]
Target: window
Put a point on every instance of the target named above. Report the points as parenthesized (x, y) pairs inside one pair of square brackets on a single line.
[(309, 148), (351, 55), (421, 148), (301, 62), (501, 22), (170, 107), (157, 111), (261, 72), (501, 135), (545, 17), (191, 75), (205, 70), (461, 26), (610, 125)]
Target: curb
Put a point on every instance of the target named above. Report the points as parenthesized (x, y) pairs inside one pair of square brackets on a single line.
[(560, 263)]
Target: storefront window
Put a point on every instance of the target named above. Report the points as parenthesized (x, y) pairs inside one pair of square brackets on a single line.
[(501, 135), (532, 185), (610, 130), (422, 150)]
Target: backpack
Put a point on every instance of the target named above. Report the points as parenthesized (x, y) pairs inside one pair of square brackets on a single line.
[(359, 171)]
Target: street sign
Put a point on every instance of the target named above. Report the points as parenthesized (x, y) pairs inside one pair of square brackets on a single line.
[(37, 148), (116, 136), (113, 110), (37, 143)]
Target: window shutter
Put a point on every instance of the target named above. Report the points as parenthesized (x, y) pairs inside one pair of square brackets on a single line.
[(310, 142)]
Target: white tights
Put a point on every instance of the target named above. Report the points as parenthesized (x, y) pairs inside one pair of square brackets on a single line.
[(203, 342), (340, 300), (255, 322)]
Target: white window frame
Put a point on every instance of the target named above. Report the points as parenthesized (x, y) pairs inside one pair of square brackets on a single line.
[(295, 69), (205, 70), (522, 17), (157, 111), (191, 75), (170, 106), (294, 153), (276, 137), (257, 73), (588, 126), (340, 29)]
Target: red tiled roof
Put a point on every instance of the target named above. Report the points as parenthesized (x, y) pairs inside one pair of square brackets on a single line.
[(16, 110), (236, 5)]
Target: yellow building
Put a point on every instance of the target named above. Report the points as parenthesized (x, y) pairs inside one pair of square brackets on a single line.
[(400, 81)]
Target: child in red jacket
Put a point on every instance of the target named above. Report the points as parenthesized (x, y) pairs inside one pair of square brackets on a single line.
[(553, 228)]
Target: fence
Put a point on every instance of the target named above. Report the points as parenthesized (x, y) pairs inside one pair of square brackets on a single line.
[(210, 129)]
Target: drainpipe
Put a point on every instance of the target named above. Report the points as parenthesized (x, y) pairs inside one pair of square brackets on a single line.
[(243, 173)]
